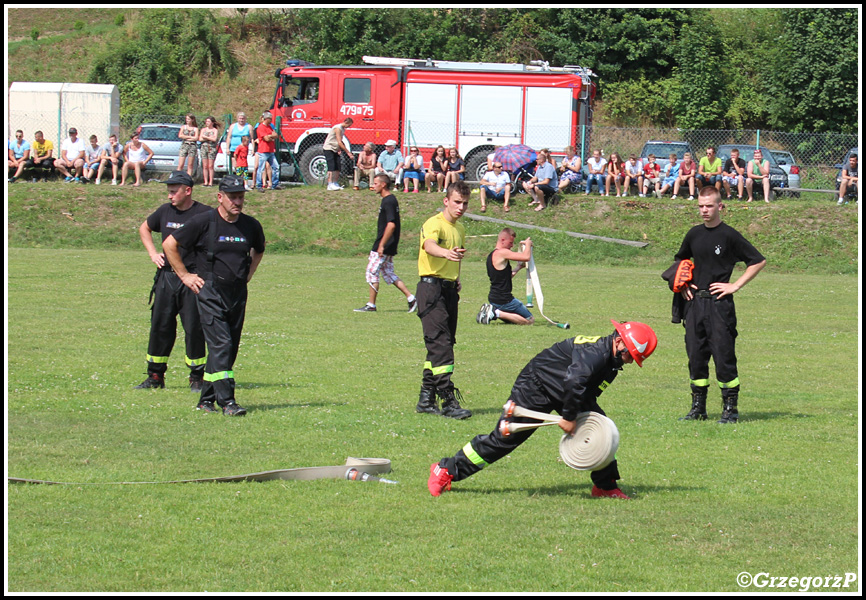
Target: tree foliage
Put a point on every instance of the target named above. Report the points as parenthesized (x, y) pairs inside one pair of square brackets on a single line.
[(161, 51), (815, 81)]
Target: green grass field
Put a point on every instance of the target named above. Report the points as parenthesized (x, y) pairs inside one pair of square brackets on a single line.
[(777, 493)]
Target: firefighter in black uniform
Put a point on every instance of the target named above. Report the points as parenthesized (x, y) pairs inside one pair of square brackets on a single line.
[(567, 378), (438, 294), (170, 297), (228, 246), (708, 304)]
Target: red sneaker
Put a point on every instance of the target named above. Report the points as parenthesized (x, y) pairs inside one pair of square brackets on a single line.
[(615, 493), (440, 480)]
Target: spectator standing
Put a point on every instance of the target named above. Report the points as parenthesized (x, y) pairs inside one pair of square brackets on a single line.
[(136, 154), (266, 136), (365, 167), (501, 303), (237, 131), (596, 166), (229, 246), (632, 171), (42, 156), (110, 154), (381, 260), (333, 145), (615, 174), (189, 146), (710, 170), (437, 171), (92, 158), (688, 169), (208, 137), (758, 170), (849, 178), (651, 175), (543, 184), (569, 170), (71, 157), (170, 296), (456, 168), (241, 161), (413, 168), (708, 314), (390, 161), (497, 184), (439, 258), (19, 155), (734, 174)]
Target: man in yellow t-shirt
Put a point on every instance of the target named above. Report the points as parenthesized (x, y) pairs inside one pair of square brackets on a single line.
[(442, 239), (710, 170), (42, 157)]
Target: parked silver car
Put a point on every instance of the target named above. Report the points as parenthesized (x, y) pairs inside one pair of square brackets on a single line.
[(789, 165), (163, 140)]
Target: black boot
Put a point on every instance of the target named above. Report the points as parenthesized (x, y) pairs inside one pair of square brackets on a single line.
[(154, 380), (427, 402), (730, 414), (699, 408), (450, 405)]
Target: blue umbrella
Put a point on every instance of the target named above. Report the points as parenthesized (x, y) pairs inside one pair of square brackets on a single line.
[(514, 156)]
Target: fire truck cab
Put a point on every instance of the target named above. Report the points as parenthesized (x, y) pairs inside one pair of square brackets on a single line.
[(473, 107)]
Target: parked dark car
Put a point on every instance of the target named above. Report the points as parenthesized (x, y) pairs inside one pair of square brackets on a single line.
[(778, 177)]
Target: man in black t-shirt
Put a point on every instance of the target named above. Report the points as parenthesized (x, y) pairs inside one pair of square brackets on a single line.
[(734, 173), (170, 297), (501, 303), (708, 315), (385, 247), (228, 246)]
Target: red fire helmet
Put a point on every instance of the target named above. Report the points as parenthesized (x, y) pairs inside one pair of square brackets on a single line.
[(639, 338)]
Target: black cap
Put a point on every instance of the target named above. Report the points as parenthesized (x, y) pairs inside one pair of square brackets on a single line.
[(232, 183), (180, 178)]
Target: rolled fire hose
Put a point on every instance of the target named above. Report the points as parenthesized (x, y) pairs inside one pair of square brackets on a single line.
[(360, 466), (593, 444)]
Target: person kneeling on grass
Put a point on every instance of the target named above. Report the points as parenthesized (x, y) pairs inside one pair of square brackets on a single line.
[(567, 378), (502, 303)]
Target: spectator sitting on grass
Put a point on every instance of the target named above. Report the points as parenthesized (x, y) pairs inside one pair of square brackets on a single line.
[(71, 156), (651, 172), (110, 154), (688, 169), (671, 174), (19, 155), (734, 173), (710, 170), (92, 153), (42, 156), (569, 169), (136, 154), (596, 166), (849, 178)]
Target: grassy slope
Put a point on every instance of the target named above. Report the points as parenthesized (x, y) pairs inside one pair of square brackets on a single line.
[(795, 235)]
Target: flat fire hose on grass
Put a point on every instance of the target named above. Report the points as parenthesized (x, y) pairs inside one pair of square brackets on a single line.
[(355, 469), (534, 293)]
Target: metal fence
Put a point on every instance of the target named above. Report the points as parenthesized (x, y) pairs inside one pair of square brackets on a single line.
[(817, 154)]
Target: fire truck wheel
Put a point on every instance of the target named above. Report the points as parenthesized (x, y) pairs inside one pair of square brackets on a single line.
[(313, 164)]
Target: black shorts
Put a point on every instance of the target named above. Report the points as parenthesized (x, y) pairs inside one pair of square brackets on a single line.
[(333, 160)]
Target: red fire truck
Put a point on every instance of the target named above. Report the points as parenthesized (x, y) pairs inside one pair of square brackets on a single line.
[(473, 107)]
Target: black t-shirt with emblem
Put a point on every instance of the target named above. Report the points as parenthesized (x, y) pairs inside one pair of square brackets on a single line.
[(167, 219), (232, 245), (715, 252)]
